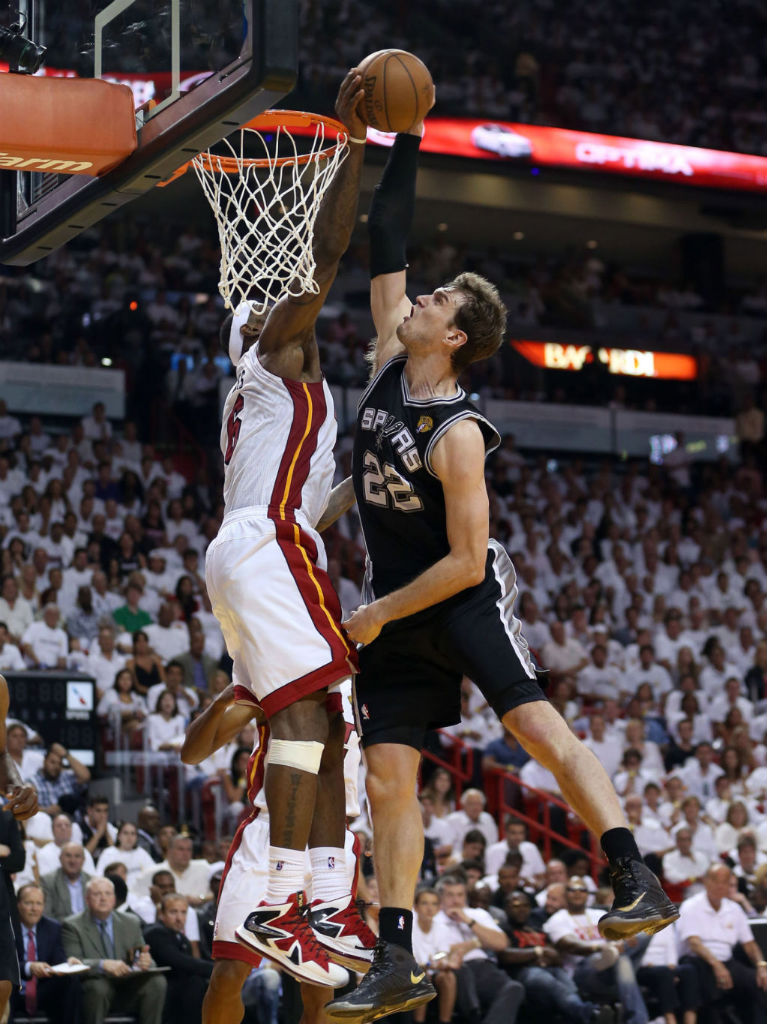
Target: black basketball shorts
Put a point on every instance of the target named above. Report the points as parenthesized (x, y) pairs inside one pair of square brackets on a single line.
[(410, 675), (9, 960)]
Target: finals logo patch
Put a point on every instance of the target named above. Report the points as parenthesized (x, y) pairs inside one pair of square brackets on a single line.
[(424, 424)]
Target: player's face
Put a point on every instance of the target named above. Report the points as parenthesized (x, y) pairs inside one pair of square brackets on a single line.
[(430, 321)]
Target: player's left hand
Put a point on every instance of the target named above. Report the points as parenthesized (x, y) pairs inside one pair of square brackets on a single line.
[(350, 95), (364, 625), (22, 802)]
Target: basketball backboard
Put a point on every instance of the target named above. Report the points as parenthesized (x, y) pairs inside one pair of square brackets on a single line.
[(198, 69)]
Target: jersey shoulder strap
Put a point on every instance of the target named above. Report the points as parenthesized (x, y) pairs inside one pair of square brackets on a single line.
[(490, 435), (400, 360)]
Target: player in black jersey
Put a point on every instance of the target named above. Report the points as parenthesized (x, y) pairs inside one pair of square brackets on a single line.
[(440, 595)]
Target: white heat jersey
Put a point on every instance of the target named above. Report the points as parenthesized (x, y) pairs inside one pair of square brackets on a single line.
[(277, 440)]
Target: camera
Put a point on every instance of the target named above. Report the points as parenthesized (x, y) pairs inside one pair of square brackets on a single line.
[(22, 54)]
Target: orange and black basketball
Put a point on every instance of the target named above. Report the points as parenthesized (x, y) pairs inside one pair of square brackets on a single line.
[(398, 90)]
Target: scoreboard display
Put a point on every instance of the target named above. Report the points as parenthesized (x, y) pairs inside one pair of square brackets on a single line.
[(60, 706)]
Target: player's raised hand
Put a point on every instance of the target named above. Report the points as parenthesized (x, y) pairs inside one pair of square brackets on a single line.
[(364, 625), (418, 128), (348, 102)]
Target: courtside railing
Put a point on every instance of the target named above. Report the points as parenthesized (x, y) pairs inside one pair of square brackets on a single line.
[(550, 822)]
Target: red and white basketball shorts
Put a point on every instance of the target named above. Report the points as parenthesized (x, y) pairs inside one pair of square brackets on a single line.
[(243, 885), (278, 610)]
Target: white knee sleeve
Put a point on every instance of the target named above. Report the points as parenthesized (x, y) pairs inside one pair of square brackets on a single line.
[(302, 754)]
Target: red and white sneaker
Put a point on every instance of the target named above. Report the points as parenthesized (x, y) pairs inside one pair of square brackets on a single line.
[(341, 929), (281, 932)]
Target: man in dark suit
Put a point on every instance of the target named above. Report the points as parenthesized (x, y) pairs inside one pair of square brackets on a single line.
[(112, 946), (189, 976), (39, 948), (64, 888)]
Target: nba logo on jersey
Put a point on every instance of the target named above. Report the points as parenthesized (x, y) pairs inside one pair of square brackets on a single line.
[(401, 923), (424, 424), (279, 865), (331, 863), (364, 712)]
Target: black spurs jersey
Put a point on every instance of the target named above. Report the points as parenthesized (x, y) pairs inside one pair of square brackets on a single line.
[(399, 498)]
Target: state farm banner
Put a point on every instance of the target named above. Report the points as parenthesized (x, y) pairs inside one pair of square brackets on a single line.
[(535, 145), (626, 362)]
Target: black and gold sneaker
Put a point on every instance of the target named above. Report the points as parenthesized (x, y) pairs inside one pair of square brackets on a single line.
[(640, 904), (393, 984)]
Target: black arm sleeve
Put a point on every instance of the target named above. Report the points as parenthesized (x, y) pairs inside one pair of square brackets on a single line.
[(392, 207)]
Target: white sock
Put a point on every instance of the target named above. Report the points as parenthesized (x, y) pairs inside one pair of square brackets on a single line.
[(286, 874), (329, 881)]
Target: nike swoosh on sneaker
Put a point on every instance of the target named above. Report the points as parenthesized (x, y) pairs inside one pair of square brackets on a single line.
[(624, 910), (415, 978)]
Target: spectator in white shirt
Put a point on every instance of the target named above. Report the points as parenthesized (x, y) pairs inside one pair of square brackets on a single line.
[(598, 680), (731, 698), (648, 670), (192, 875), (608, 749), (563, 656), (650, 836), (165, 727), (714, 675), (485, 993), (515, 841), (710, 926), (632, 777), (434, 828), (669, 641), (169, 636), (428, 952), (700, 772), (10, 427), (44, 643), (27, 761), (10, 655), (702, 834), (684, 865), (104, 660), (97, 427), (15, 612), (64, 831), (471, 815), (652, 762)]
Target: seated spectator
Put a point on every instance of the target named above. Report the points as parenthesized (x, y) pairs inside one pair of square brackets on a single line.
[(673, 985), (121, 706), (39, 948), (11, 659), (703, 837), (169, 636), (104, 660), (29, 762), (147, 669), (97, 830), (607, 749), (108, 942), (682, 745), (44, 643), (563, 655), (83, 622), (170, 947), (685, 866), (15, 611), (632, 777), (710, 925), (191, 875), (599, 968), (165, 728), (598, 679), (64, 888), (434, 828), (515, 841), (64, 832), (198, 667), (130, 616), (650, 835), (471, 815), (186, 698), (126, 850), (747, 861), (440, 789), (470, 935), (700, 772), (532, 960), (60, 788), (235, 785), (733, 827), (161, 884), (429, 953), (505, 754), (652, 762)]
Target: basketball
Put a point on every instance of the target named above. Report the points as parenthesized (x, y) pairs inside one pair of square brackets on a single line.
[(398, 90)]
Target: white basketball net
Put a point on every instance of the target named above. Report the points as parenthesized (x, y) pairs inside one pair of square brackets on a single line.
[(265, 209)]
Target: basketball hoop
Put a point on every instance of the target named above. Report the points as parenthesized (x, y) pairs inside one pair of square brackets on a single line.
[(266, 205)]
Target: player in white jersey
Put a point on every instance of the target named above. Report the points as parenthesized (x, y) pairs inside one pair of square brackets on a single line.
[(266, 571), (245, 874)]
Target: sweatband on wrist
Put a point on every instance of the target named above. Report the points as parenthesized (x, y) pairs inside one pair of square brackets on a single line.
[(392, 207)]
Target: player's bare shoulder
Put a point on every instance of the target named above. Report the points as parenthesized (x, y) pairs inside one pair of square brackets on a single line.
[(460, 451)]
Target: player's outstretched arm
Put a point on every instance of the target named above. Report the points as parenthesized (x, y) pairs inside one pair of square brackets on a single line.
[(216, 726), (459, 462), (341, 499), (389, 221), (290, 324)]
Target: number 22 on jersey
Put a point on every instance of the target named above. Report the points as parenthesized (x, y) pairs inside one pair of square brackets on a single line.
[(384, 486)]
